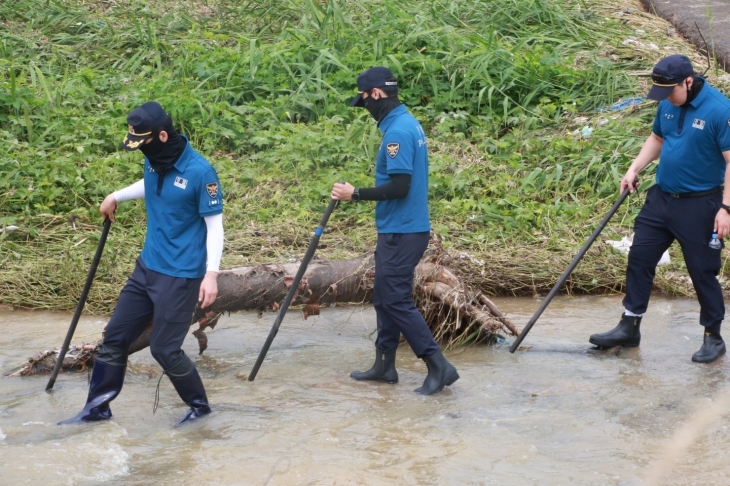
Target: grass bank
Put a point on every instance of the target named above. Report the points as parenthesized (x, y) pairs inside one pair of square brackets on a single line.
[(502, 89)]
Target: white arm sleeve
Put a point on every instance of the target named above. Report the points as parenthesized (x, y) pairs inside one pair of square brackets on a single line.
[(214, 241), (135, 191)]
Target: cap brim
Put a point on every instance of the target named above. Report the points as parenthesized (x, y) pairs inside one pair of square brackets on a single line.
[(357, 101), (659, 93), (133, 142)]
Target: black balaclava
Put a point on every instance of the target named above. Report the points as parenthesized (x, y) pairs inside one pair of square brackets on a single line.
[(379, 109), (692, 93), (162, 156)]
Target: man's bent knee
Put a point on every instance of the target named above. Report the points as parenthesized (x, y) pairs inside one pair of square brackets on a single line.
[(166, 357)]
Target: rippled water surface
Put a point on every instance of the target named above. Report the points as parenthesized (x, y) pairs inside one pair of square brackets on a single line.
[(555, 413)]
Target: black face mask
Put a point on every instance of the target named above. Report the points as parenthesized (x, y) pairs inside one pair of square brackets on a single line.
[(153, 149), (692, 93), (162, 156), (379, 109)]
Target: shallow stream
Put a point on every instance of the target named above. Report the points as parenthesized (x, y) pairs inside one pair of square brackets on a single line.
[(557, 412)]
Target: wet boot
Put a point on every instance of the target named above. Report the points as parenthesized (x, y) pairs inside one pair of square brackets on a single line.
[(107, 379), (441, 373), (383, 369), (189, 386), (712, 348), (625, 334)]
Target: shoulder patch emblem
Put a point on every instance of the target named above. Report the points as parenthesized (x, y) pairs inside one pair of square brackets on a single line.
[(392, 149), (212, 188)]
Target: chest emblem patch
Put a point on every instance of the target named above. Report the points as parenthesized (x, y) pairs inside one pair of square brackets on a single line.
[(212, 188), (698, 124), (181, 183), (728, 123), (392, 149), (668, 116)]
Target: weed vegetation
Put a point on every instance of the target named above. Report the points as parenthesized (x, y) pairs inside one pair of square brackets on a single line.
[(503, 89)]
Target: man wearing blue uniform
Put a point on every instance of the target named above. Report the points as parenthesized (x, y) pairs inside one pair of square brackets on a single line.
[(401, 217), (178, 266), (691, 135)]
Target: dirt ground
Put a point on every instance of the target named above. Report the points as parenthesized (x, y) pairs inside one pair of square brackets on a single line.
[(698, 19)]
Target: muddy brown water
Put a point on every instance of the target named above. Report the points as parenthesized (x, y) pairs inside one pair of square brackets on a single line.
[(555, 413)]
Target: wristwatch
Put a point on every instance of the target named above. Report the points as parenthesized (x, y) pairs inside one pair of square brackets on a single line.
[(356, 195), (723, 206)]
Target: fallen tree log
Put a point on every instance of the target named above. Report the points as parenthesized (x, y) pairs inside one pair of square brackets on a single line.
[(455, 314)]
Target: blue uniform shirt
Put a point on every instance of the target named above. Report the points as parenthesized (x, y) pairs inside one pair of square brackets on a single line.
[(694, 139), (403, 151), (175, 243)]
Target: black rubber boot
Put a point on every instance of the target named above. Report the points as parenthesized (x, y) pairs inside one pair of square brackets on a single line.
[(441, 373), (712, 348), (107, 379), (626, 334), (383, 369), (189, 386)]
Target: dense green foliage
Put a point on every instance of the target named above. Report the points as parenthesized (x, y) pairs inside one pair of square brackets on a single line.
[(261, 87)]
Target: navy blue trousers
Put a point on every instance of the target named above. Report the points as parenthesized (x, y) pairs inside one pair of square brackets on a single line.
[(396, 257), (691, 222), (168, 302)]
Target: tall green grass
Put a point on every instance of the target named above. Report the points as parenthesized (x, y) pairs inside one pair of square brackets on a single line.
[(269, 81), (262, 86)]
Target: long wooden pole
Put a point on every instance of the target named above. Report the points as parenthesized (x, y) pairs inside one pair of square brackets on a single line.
[(80, 305), (293, 289), (570, 269)]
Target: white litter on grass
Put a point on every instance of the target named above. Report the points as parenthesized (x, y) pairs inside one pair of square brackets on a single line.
[(471, 258), (8, 229), (625, 243)]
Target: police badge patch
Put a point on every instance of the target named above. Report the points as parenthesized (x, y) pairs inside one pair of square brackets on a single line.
[(392, 149), (212, 188)]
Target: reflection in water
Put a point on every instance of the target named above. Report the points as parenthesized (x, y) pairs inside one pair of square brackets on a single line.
[(556, 412)]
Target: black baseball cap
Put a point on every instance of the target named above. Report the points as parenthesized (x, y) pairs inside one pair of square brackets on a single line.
[(377, 77), (667, 74), (143, 122)]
